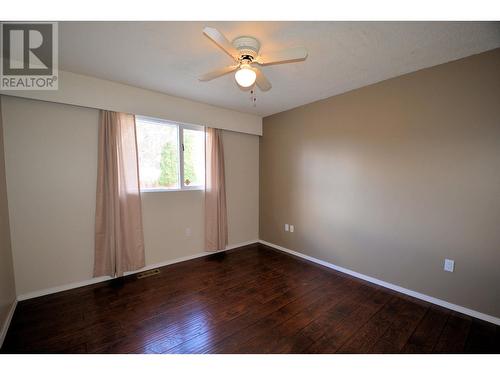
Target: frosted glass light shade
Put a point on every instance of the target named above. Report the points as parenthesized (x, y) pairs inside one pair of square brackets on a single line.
[(245, 76)]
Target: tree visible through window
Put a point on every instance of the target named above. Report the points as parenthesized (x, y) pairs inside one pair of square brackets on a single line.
[(171, 156), (169, 172), (194, 157)]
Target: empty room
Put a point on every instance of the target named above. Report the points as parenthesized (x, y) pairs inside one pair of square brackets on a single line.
[(250, 187)]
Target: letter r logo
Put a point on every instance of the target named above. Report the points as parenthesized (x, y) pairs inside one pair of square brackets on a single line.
[(27, 49)]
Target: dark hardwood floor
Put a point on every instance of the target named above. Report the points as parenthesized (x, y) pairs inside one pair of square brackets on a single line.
[(250, 300)]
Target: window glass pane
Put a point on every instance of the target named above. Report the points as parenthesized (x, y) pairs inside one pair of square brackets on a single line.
[(194, 157), (158, 145)]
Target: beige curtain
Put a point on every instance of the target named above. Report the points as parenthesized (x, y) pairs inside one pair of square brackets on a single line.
[(119, 241), (215, 192)]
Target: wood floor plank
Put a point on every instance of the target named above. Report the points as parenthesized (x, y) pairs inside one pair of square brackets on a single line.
[(239, 341), (207, 341), (395, 337), (483, 338), (198, 311), (368, 335), (428, 331), (153, 334), (327, 335), (234, 306), (249, 300), (454, 335), (256, 311), (295, 321)]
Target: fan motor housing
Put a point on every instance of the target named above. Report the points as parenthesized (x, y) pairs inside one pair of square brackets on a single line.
[(247, 46)]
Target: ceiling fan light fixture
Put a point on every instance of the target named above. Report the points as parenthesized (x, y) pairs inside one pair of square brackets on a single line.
[(245, 52), (245, 76)]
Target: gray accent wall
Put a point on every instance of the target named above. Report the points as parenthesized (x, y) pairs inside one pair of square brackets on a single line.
[(391, 179)]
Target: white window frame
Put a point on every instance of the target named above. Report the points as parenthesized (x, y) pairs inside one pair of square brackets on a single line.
[(180, 134)]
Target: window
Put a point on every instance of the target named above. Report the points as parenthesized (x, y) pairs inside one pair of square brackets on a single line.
[(171, 155)]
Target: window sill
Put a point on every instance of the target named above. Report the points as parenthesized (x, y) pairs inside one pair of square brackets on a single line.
[(160, 190)]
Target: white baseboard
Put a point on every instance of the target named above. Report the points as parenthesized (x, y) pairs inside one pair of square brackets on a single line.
[(96, 280), (397, 288), (6, 324)]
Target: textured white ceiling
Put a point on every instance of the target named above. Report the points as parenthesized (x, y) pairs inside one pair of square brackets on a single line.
[(169, 56)]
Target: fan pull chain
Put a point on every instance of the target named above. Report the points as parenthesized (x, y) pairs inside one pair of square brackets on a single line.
[(253, 97)]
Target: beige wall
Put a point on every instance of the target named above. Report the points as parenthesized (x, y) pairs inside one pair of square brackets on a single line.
[(168, 215), (7, 286), (51, 162), (390, 179)]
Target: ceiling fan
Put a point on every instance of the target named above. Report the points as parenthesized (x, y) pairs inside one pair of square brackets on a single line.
[(244, 50)]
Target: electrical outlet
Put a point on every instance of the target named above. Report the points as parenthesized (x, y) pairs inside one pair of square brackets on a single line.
[(188, 232), (449, 265), (287, 227), (292, 228)]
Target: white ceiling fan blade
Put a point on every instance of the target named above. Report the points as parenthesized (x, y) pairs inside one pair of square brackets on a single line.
[(219, 39), (261, 80), (218, 72), (284, 56)]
